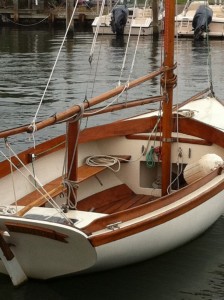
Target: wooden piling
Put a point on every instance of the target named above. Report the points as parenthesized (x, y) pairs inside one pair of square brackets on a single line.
[(69, 11), (16, 10), (155, 17)]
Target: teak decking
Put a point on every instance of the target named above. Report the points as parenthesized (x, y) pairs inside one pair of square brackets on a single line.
[(113, 200)]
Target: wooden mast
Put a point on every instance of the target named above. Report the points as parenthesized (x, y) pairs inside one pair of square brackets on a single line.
[(168, 81), (72, 161)]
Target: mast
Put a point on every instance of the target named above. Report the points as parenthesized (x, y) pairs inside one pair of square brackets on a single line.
[(168, 81), (72, 162)]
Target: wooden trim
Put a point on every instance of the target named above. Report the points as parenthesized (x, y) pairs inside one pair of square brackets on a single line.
[(198, 129), (126, 128), (36, 230), (124, 105), (149, 207), (154, 221), (119, 128), (72, 156), (143, 137)]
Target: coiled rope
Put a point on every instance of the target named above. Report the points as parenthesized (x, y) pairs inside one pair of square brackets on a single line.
[(105, 161)]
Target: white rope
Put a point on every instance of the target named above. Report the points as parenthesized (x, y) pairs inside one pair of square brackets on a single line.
[(54, 66), (127, 47), (180, 169), (136, 47), (70, 191), (96, 32), (104, 161), (108, 161)]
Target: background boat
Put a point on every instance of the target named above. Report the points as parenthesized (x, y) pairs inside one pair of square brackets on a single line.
[(139, 20), (184, 20)]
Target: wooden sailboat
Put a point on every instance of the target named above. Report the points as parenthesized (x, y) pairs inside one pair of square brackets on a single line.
[(117, 202)]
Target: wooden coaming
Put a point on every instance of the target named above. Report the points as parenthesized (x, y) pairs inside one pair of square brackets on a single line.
[(132, 213), (143, 137), (121, 128)]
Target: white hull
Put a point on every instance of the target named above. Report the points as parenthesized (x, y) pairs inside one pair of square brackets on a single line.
[(184, 21), (141, 24), (37, 243), (135, 30), (124, 195), (45, 257), (160, 239)]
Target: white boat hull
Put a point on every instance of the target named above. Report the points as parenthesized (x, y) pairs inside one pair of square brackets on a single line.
[(46, 250), (160, 239), (184, 21), (135, 30), (140, 24)]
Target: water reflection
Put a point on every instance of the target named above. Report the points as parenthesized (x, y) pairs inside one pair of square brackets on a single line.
[(118, 41), (27, 58)]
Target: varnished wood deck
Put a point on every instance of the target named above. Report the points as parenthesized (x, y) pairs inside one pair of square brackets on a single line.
[(113, 200)]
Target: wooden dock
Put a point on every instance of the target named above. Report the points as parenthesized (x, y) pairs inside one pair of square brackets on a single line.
[(33, 13), (31, 16)]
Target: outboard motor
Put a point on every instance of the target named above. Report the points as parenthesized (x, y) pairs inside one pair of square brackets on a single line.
[(201, 20), (119, 19)]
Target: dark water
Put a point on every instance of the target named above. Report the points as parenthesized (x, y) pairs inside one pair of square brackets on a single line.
[(194, 271)]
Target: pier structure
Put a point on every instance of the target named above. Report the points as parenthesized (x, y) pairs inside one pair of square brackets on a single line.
[(30, 11)]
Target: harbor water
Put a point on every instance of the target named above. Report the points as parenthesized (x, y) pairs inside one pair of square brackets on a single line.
[(27, 57)]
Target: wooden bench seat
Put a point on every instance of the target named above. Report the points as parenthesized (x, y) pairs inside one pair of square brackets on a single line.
[(55, 187), (85, 172)]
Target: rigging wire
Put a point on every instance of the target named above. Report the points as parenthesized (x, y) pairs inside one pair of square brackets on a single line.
[(209, 67), (96, 32), (127, 47), (43, 191), (54, 66)]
